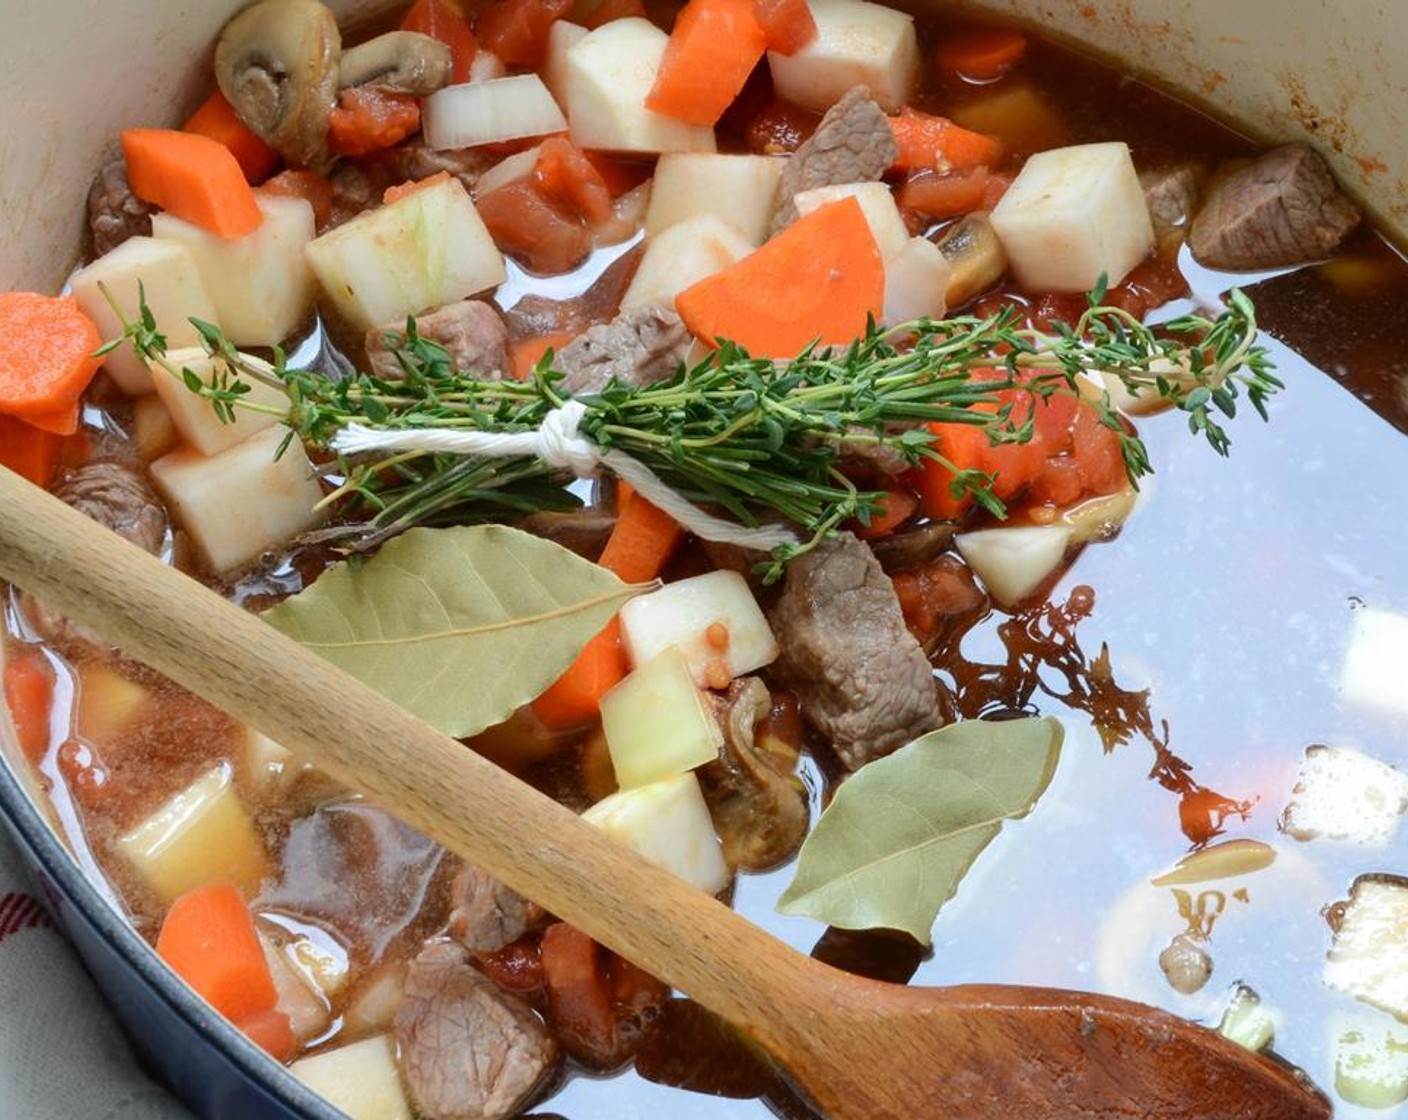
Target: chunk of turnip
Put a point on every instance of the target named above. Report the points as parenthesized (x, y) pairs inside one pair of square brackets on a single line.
[(1368, 956), (422, 251), (1341, 794), (1375, 673), (562, 35), (260, 283), (877, 203), (1013, 562), (492, 112), (167, 275), (153, 432), (302, 1001), (669, 824), (194, 415), (1073, 215), (657, 723), (244, 501), (735, 188), (916, 278), (712, 619), (360, 1079), (201, 835), (857, 43), (609, 72), (682, 255)]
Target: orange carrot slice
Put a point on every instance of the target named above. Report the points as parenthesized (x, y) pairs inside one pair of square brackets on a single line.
[(193, 177), (218, 120), (936, 143), (46, 359), (208, 939), (711, 52)]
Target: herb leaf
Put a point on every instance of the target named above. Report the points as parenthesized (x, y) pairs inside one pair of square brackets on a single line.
[(460, 626), (897, 839)]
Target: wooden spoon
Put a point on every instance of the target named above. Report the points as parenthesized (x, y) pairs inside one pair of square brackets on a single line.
[(862, 1050)]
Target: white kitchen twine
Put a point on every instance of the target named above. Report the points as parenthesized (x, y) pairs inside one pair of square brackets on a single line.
[(559, 444)]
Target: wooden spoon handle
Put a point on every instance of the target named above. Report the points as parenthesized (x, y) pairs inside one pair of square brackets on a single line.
[(170, 622)]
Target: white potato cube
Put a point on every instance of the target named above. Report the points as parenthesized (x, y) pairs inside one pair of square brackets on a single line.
[(260, 283), (856, 44), (657, 723), (266, 765), (738, 189), (1368, 956), (608, 74), (492, 112), (877, 203), (194, 416), (153, 432), (1371, 1063), (1375, 674), (1013, 562), (916, 278), (360, 1079), (422, 251), (1073, 215), (109, 702), (242, 502), (712, 619), (1341, 794), (562, 36), (669, 824), (202, 835), (167, 274), (682, 255)]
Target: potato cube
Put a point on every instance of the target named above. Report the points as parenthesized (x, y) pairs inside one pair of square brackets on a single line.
[(916, 280), (423, 251), (608, 73), (877, 203), (153, 432), (202, 835), (1341, 794), (242, 502), (1073, 215), (1013, 562), (1368, 956), (739, 189), (657, 723), (168, 275), (360, 1079), (562, 36), (857, 43), (109, 702), (194, 416), (260, 283), (682, 255), (669, 824), (1375, 674), (712, 619)]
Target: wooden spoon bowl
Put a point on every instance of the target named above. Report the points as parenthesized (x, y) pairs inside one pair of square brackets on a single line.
[(860, 1049)]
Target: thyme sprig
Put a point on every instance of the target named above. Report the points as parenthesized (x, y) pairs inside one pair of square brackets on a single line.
[(755, 437)]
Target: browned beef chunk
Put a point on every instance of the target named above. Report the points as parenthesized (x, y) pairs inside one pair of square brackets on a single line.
[(354, 190), (913, 548), (583, 531), (638, 347), (413, 161), (1172, 193), (853, 144), (861, 676), (534, 316), (1282, 209), (113, 492), (487, 915), (470, 331), (114, 212), (467, 1050)]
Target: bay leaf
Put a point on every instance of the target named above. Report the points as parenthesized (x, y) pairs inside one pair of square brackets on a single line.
[(900, 834), (461, 626)]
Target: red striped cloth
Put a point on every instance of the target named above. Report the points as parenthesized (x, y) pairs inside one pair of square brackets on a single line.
[(21, 911)]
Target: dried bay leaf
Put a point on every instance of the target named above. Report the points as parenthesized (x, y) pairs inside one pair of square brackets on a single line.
[(899, 835), (460, 626)]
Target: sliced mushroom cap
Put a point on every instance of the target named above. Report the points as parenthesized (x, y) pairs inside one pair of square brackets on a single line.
[(976, 256), (758, 803), (277, 64), (403, 61)]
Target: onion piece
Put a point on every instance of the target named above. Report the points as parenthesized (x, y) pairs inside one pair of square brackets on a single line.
[(465, 116)]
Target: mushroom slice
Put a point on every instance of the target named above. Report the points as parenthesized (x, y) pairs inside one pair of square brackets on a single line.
[(277, 64), (758, 803), (402, 61), (976, 255)]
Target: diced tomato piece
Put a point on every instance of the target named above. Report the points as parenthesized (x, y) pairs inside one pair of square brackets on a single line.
[(936, 143), (1097, 452), (897, 508), (620, 173), (368, 119), (434, 18), (788, 24), (308, 185), (962, 445), (780, 127), (563, 174), (529, 228), (516, 968), (994, 190), (609, 10), (517, 30), (938, 195)]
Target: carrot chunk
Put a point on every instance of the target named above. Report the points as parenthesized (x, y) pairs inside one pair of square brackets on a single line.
[(641, 541), (787, 24), (897, 508), (272, 1032), (208, 939), (46, 359), (30, 452), (711, 52), (982, 54), (192, 176), (517, 30), (820, 280), (434, 18), (29, 694), (368, 119), (218, 120), (525, 354), (936, 143), (574, 699)]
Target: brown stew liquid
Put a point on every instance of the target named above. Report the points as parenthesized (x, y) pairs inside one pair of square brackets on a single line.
[(1192, 659)]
